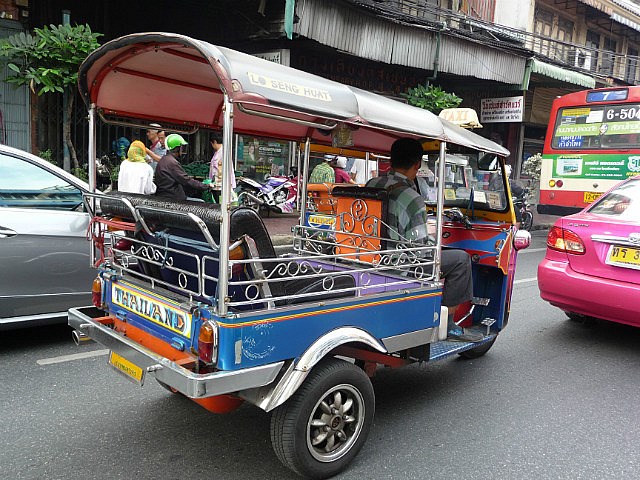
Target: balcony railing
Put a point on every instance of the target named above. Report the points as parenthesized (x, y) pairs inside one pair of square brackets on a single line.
[(599, 63)]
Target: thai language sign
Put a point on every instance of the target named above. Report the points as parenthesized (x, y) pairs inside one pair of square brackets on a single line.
[(610, 167), (501, 110)]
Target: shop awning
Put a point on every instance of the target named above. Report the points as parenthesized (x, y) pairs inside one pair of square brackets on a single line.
[(625, 21), (557, 73), (598, 5)]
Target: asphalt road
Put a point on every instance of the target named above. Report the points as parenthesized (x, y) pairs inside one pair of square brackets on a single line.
[(553, 399)]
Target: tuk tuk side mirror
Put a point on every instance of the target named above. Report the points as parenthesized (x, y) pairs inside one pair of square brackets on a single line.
[(489, 162), (521, 240)]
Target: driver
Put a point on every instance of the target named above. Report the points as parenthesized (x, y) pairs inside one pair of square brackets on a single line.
[(170, 178), (408, 216)]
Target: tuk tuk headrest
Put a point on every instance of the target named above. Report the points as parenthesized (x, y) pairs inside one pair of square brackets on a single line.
[(244, 221), (372, 193)]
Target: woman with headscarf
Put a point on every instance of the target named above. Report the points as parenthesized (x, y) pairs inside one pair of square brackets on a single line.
[(136, 175)]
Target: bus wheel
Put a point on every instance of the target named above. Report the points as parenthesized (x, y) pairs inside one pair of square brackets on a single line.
[(323, 426), (478, 351)]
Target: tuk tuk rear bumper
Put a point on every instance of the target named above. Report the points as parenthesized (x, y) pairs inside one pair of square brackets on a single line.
[(193, 385)]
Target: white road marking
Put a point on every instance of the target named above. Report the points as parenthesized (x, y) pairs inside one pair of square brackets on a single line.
[(532, 250), (72, 357), (525, 280)]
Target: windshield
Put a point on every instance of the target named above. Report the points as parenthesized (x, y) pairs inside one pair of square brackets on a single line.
[(597, 127), (470, 182), (622, 202)]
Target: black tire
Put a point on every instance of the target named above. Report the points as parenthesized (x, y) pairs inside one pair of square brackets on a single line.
[(578, 317), (477, 352), (315, 407), (167, 387), (527, 220)]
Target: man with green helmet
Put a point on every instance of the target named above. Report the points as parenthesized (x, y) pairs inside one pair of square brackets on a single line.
[(170, 178)]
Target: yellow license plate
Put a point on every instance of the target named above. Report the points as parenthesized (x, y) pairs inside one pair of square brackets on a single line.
[(127, 368), (624, 256), (590, 197)]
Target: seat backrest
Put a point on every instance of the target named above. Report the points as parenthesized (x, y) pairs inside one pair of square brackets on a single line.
[(175, 230), (244, 221), (361, 219)]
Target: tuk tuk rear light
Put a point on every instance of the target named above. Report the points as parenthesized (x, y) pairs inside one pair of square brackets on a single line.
[(552, 183), (559, 183), (565, 241), (208, 342), (237, 253), (96, 292)]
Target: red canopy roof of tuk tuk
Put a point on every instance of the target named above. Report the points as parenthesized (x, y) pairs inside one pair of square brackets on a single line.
[(180, 82)]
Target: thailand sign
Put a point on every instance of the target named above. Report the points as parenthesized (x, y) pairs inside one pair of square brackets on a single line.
[(501, 110)]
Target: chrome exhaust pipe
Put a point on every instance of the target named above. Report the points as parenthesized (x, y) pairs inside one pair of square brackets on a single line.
[(80, 338), (257, 200)]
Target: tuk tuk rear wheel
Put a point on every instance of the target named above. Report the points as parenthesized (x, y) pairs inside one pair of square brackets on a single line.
[(478, 351), (323, 426)]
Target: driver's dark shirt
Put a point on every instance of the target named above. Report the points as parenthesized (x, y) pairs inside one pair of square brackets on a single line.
[(170, 178)]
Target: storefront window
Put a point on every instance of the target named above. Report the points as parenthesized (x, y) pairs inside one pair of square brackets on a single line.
[(258, 158)]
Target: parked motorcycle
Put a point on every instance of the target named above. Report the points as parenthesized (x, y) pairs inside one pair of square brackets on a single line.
[(105, 165), (521, 205), (279, 194)]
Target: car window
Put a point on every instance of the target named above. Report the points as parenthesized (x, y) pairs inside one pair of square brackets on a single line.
[(25, 185), (622, 202)]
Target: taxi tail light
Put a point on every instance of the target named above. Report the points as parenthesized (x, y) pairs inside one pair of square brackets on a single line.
[(208, 342), (96, 292), (564, 240)]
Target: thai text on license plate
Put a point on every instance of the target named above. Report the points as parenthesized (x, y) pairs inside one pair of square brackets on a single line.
[(622, 256), (127, 368), (590, 197)]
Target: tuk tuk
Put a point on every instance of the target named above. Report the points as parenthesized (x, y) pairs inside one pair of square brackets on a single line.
[(200, 301)]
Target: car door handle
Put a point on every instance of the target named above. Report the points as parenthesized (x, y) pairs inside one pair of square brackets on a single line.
[(7, 232)]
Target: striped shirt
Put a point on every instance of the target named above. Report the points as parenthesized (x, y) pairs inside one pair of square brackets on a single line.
[(406, 212)]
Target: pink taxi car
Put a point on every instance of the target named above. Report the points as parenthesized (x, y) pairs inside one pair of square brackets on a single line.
[(592, 264)]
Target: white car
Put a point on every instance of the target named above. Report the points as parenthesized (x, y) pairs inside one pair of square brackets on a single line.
[(44, 253)]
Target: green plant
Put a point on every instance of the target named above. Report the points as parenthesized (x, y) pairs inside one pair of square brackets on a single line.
[(81, 173), (114, 173), (48, 61), (432, 98), (47, 155)]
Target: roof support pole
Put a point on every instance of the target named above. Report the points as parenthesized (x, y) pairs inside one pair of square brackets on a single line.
[(225, 208)]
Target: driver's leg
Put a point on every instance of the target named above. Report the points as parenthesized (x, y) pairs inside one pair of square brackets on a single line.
[(458, 289)]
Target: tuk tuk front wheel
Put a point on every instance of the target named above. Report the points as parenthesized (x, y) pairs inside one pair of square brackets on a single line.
[(323, 426)]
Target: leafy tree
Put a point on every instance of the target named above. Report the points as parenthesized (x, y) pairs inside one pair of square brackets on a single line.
[(432, 98), (532, 166), (48, 61)]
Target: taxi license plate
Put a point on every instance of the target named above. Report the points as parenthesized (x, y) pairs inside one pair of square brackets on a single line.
[(620, 256), (126, 368), (590, 197)]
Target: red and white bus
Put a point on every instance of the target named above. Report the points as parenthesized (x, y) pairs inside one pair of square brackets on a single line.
[(592, 142)]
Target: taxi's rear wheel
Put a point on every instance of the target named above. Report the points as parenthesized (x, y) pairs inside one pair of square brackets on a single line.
[(323, 426), (578, 317)]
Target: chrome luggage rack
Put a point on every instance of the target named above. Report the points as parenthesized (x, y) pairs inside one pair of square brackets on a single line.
[(190, 266)]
